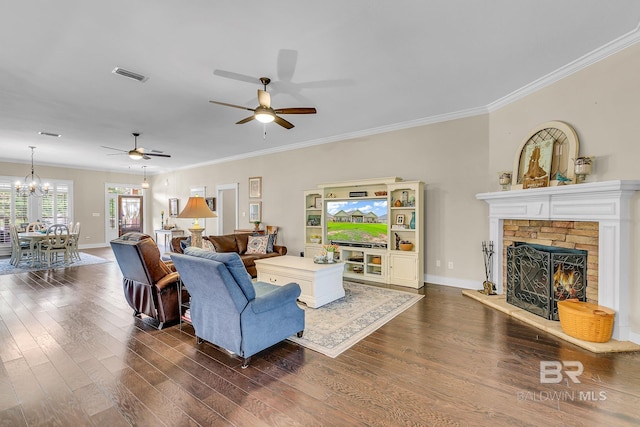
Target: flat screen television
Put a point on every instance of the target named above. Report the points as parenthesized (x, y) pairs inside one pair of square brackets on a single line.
[(362, 221)]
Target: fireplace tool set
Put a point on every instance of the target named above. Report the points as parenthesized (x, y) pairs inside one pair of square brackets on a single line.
[(488, 286)]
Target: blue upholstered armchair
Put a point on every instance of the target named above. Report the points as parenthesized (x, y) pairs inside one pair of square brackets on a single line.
[(232, 312)]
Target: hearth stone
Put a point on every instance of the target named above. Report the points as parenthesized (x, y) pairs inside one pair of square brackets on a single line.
[(539, 276)]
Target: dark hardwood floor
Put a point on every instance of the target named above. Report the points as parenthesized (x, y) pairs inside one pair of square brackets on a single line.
[(73, 355)]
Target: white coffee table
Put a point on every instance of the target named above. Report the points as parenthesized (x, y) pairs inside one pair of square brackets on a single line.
[(320, 283)]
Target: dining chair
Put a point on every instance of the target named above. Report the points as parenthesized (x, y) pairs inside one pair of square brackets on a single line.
[(36, 226), (56, 241), (74, 239), (20, 248)]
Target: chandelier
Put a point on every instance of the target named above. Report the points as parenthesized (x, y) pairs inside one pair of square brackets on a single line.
[(32, 185)]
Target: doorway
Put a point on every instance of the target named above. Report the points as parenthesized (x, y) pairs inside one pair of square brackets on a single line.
[(227, 208), (131, 214), (114, 209)]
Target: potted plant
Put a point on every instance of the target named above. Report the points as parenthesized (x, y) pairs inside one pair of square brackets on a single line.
[(330, 250), (257, 225)]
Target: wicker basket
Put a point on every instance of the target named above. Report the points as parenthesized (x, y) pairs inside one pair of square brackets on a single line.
[(586, 321)]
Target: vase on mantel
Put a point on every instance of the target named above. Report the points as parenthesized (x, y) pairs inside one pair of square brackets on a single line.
[(412, 223)]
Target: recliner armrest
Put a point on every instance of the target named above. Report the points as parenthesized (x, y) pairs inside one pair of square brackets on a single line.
[(279, 296), (282, 250), (168, 280)]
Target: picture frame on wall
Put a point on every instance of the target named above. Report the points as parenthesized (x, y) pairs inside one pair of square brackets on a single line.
[(255, 211), (211, 203), (173, 207), (255, 187)]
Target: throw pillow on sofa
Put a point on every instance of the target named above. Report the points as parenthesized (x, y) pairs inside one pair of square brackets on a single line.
[(257, 244), (206, 244)]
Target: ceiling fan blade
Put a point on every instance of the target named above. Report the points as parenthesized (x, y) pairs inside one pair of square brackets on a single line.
[(235, 76), (231, 105), (157, 155), (296, 110), (247, 120), (117, 149), (264, 98), (282, 122)]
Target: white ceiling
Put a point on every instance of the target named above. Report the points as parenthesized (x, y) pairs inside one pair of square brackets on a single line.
[(366, 66)]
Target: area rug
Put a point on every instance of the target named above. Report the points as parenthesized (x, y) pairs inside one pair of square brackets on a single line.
[(24, 267), (335, 327)]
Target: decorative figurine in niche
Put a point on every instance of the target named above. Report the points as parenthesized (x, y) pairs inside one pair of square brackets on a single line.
[(562, 180), (397, 241)]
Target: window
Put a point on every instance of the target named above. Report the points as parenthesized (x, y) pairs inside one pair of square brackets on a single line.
[(54, 208)]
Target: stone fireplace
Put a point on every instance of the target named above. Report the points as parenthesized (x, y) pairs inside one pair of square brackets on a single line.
[(593, 217)]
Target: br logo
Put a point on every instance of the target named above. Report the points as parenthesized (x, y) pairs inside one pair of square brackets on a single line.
[(551, 371)]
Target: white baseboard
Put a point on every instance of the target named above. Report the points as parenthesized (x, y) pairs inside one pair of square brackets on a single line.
[(453, 282), (93, 246)]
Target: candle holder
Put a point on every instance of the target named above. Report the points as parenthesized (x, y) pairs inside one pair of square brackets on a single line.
[(582, 167), (504, 178)]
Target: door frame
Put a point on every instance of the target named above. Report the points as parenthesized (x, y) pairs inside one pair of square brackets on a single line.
[(145, 202)]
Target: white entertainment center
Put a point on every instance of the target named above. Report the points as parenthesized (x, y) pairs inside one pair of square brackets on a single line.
[(384, 261)]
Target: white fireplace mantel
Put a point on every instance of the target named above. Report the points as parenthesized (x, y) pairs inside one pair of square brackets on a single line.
[(607, 203)]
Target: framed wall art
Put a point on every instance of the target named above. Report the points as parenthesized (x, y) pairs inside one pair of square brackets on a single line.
[(255, 211), (173, 207), (255, 187), (211, 203)]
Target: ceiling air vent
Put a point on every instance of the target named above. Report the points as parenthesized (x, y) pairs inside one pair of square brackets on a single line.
[(129, 74), (57, 135)]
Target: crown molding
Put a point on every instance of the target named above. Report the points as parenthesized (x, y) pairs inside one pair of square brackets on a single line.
[(585, 61)]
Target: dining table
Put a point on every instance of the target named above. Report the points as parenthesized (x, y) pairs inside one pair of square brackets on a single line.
[(34, 237)]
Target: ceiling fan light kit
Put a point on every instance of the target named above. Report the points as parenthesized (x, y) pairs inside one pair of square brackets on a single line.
[(264, 113)]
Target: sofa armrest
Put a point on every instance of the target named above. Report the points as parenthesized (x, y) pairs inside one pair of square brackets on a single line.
[(281, 250), (278, 297)]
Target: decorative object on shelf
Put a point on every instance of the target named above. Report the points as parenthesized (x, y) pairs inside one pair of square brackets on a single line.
[(196, 208), (313, 220), (255, 211), (357, 194), (315, 238), (405, 198), (400, 219), (412, 221), (330, 251), (173, 207), (255, 187), (256, 225), (330, 196), (405, 245), (582, 167), (397, 241), (555, 139), (376, 260), (538, 158), (380, 193), (32, 185), (317, 202), (488, 286), (397, 203), (504, 178), (562, 180)]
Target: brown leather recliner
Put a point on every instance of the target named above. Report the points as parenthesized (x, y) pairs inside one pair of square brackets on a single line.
[(150, 285)]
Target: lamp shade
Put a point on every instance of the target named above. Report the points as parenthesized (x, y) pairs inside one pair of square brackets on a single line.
[(197, 208)]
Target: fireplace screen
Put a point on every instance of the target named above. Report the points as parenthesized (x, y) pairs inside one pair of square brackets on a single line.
[(540, 276)]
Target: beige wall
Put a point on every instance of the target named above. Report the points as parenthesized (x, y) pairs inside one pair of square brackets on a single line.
[(601, 102), (450, 157)]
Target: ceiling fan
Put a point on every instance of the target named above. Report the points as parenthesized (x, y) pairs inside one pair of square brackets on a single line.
[(264, 113), (138, 152)]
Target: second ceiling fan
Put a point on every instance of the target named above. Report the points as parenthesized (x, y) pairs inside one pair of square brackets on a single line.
[(264, 113)]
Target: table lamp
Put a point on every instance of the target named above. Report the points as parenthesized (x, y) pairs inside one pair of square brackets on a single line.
[(196, 208)]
